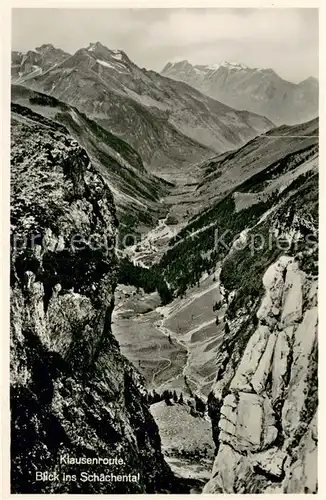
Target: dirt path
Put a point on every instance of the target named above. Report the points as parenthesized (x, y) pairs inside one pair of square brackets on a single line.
[(160, 370), (170, 334), (160, 361)]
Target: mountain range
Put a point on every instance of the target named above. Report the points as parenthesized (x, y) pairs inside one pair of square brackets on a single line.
[(169, 123), (28, 64), (257, 90)]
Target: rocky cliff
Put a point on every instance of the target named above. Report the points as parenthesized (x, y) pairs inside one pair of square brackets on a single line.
[(263, 404), (72, 393)]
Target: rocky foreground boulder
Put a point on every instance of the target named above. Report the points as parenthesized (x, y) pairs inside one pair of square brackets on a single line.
[(74, 397)]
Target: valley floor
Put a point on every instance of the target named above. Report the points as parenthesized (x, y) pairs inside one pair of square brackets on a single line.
[(174, 347)]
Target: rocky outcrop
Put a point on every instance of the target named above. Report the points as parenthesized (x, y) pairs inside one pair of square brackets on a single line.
[(263, 405), (73, 395)]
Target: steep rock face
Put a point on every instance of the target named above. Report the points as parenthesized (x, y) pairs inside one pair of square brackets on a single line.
[(263, 405), (72, 393)]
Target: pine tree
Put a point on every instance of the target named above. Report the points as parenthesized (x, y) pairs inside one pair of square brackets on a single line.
[(200, 405), (227, 328), (167, 401), (166, 394), (175, 397), (181, 399), (156, 397)]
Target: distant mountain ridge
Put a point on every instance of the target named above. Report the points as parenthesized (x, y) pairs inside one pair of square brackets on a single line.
[(258, 90), (169, 123), (28, 64)]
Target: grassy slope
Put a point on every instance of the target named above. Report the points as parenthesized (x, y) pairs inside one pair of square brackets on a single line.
[(193, 251), (228, 170), (136, 193)]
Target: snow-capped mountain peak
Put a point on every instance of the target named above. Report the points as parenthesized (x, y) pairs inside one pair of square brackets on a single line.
[(93, 46), (213, 66), (226, 64), (26, 65), (234, 65), (259, 90), (184, 64), (102, 52)]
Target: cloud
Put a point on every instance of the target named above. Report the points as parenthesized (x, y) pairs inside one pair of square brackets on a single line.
[(195, 26)]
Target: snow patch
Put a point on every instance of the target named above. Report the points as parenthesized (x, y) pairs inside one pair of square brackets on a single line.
[(234, 65), (213, 66), (104, 63), (111, 66), (226, 64), (117, 55)]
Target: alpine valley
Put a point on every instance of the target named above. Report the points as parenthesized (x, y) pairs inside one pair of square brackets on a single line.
[(177, 336)]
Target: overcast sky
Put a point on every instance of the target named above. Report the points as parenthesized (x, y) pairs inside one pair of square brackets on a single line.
[(283, 39)]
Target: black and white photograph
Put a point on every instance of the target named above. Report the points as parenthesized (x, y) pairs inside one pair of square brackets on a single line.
[(164, 231)]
